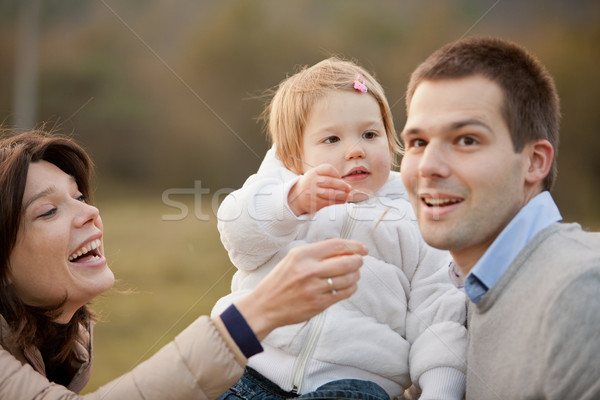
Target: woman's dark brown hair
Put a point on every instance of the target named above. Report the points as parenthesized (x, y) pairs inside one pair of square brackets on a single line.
[(34, 326)]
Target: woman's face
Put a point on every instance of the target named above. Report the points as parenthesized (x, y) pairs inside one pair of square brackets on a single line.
[(59, 252)]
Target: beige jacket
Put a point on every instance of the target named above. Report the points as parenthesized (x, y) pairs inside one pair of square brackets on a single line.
[(202, 362)]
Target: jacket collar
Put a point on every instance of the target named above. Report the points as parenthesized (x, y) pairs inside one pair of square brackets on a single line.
[(31, 355)]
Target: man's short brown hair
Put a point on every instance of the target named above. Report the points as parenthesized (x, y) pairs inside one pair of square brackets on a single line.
[(531, 106)]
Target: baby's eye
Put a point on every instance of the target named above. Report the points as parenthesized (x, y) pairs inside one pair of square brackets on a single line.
[(370, 135), (331, 139)]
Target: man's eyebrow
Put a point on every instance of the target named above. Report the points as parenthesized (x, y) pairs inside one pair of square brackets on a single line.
[(454, 126), (411, 131), (468, 122)]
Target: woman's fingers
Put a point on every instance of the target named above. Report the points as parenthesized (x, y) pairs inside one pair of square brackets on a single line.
[(334, 263), (338, 284), (333, 248), (343, 287)]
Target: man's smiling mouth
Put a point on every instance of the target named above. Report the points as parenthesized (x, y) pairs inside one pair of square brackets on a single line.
[(433, 201)]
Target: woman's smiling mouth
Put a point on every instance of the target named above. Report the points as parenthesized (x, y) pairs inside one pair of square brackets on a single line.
[(88, 252)]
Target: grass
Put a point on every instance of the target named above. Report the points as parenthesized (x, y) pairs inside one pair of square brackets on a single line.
[(169, 273)]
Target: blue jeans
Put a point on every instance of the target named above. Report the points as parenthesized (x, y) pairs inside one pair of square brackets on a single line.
[(253, 386)]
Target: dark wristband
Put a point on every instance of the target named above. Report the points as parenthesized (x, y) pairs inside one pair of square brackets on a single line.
[(241, 332)]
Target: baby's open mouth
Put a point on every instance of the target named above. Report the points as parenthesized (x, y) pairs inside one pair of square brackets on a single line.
[(356, 172)]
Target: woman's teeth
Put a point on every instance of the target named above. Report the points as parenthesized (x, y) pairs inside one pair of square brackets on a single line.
[(94, 244)]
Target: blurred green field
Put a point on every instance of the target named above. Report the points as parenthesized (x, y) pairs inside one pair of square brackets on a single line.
[(169, 272)]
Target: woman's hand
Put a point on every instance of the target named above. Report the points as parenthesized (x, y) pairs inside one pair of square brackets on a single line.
[(308, 280)]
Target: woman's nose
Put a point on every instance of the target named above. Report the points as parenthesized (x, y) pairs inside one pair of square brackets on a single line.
[(86, 213)]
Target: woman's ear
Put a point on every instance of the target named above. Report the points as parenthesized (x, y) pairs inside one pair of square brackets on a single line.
[(541, 154)]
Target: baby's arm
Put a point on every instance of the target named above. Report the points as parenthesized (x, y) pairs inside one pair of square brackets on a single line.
[(265, 215), (435, 327), (254, 221)]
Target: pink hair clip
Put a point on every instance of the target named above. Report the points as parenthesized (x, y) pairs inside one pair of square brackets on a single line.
[(360, 86)]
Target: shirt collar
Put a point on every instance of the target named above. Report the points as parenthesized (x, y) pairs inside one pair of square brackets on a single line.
[(537, 214)]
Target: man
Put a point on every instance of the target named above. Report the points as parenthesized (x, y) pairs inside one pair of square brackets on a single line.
[(481, 138)]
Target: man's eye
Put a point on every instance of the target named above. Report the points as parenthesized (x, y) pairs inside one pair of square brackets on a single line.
[(467, 141), (417, 143), (331, 139)]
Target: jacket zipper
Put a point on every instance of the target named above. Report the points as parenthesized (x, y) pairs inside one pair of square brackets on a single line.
[(314, 333), (307, 351)]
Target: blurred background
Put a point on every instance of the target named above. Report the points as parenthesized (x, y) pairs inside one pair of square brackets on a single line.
[(165, 96)]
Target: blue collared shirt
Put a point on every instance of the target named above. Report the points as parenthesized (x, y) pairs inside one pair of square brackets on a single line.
[(537, 214)]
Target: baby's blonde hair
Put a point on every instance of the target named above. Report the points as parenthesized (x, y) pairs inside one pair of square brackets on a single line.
[(288, 112)]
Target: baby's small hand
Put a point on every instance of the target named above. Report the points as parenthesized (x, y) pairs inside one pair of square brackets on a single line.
[(319, 187)]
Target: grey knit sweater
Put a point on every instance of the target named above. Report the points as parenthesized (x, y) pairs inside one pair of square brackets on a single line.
[(536, 333)]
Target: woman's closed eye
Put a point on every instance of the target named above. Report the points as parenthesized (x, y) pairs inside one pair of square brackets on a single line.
[(48, 213)]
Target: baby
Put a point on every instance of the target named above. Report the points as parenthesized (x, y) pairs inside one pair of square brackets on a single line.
[(328, 175)]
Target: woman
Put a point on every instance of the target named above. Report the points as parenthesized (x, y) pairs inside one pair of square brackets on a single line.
[(52, 264)]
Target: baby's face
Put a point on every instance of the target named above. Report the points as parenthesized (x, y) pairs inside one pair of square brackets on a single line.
[(345, 129)]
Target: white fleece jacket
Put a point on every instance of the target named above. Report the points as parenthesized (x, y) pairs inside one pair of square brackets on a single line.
[(405, 321)]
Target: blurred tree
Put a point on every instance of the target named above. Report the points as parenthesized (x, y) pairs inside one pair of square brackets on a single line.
[(165, 94), (26, 65)]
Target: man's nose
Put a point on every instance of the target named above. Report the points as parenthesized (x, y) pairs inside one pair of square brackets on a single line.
[(433, 163)]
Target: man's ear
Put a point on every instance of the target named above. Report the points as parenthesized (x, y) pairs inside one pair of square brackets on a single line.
[(541, 154)]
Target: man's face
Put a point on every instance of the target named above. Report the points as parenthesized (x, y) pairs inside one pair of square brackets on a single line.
[(464, 179)]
